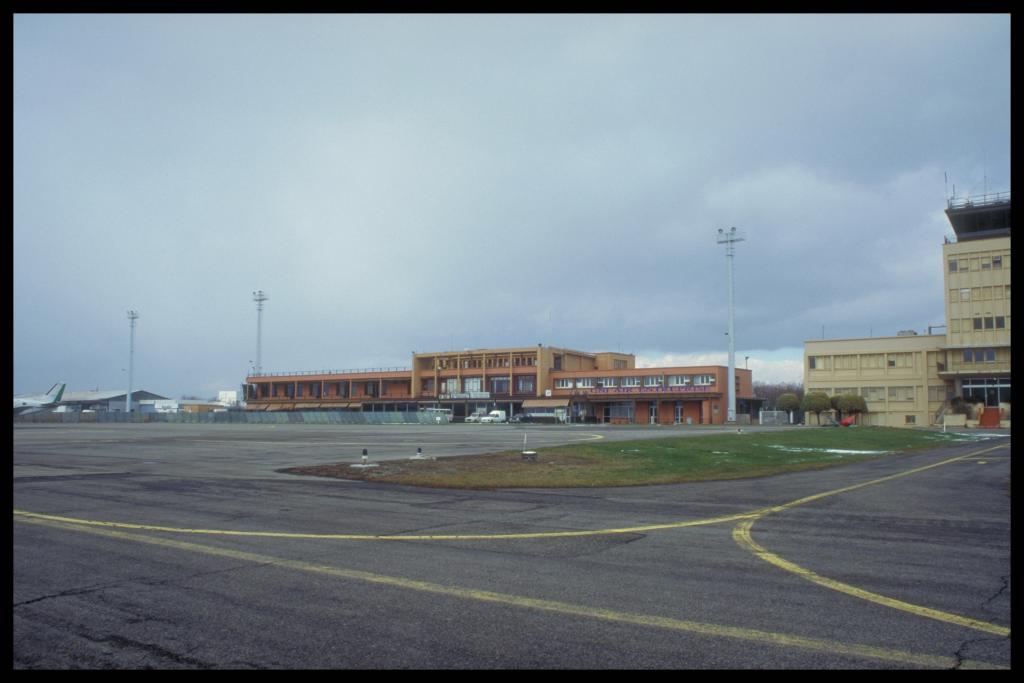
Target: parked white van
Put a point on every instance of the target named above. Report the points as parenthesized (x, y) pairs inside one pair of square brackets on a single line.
[(494, 416), (440, 414)]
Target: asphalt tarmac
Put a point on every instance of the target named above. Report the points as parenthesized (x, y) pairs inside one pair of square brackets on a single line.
[(180, 546)]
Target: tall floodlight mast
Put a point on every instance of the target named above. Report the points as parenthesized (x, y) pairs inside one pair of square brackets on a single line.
[(729, 238), (259, 297), (132, 317)]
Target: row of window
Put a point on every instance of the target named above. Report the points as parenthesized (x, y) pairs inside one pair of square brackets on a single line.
[(497, 362), (936, 393), (526, 384), (850, 361), (979, 323), (876, 393), (964, 294), (647, 381), (961, 265), (979, 355)]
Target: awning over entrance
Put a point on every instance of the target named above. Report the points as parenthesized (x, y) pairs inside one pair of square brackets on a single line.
[(546, 403)]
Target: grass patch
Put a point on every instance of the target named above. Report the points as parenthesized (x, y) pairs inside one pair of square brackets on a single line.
[(728, 455)]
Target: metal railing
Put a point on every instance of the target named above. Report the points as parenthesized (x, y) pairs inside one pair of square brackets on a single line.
[(350, 371), (984, 200)]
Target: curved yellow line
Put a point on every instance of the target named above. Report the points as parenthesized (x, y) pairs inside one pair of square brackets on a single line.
[(741, 534), (563, 608), (388, 537)]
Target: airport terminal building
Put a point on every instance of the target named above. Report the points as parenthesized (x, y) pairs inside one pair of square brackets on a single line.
[(542, 381)]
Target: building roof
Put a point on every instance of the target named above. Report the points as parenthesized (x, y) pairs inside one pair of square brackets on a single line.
[(107, 395)]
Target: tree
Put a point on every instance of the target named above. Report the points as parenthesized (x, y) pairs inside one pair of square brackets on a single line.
[(851, 404), (788, 402), (772, 392), (816, 402)]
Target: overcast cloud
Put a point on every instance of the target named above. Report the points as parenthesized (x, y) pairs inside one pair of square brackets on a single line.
[(400, 183)]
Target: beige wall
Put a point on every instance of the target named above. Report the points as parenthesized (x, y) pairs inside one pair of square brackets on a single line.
[(897, 376), (979, 288)]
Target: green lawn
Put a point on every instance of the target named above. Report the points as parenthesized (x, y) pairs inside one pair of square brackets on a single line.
[(729, 455)]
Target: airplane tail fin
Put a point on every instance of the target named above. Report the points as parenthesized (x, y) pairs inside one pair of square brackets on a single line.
[(56, 391)]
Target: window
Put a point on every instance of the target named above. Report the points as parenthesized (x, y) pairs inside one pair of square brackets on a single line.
[(901, 394), (630, 381), (997, 262), (965, 294), (846, 362), (990, 355), (606, 382), (563, 384), (1000, 322), (952, 266), (901, 360), (652, 381), (472, 384), (585, 382), (678, 380), (977, 323), (873, 393), (910, 419), (989, 323), (499, 385), (524, 385), (963, 265), (986, 264), (812, 362), (954, 325), (872, 360), (704, 380), (936, 393), (968, 356)]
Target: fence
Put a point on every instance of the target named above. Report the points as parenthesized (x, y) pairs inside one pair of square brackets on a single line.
[(237, 417), (774, 417)]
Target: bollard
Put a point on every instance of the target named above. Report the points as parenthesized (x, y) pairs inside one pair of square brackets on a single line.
[(365, 459)]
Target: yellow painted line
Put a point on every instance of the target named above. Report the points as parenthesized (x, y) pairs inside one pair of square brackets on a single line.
[(741, 534), (758, 637), (482, 537), (384, 537)]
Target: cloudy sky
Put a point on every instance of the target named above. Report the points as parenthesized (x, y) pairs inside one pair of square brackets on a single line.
[(400, 183)]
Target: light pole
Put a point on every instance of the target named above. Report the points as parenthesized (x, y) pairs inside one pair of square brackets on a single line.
[(729, 239), (259, 297), (132, 317)]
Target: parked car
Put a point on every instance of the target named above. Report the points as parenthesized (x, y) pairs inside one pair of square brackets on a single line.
[(519, 417), (477, 416), (494, 416)]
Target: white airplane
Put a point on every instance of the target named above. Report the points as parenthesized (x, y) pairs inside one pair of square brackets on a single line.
[(32, 404)]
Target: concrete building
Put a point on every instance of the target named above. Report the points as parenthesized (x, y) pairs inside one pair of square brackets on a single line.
[(541, 381), (913, 379), (898, 377)]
